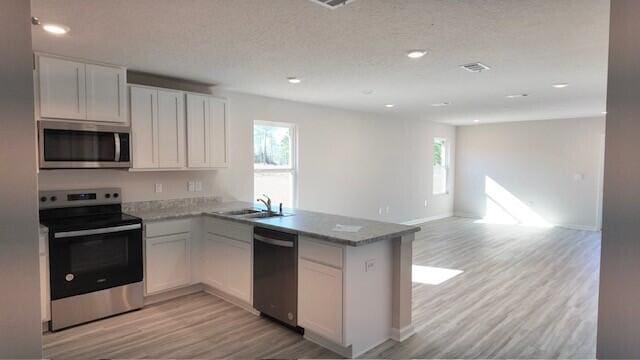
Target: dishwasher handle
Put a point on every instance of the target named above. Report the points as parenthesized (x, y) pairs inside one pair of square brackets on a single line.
[(275, 242)]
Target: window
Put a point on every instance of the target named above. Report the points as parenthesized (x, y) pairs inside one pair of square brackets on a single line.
[(440, 166), (274, 162)]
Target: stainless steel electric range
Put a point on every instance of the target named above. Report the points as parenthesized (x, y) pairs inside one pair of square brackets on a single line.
[(95, 255)]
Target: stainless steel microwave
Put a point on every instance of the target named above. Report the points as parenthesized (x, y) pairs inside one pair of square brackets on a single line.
[(69, 145)]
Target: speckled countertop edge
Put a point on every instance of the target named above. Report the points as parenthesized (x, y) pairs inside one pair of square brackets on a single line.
[(151, 211)]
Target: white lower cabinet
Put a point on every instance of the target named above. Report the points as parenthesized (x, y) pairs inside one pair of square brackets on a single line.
[(227, 265), (320, 299), (167, 255)]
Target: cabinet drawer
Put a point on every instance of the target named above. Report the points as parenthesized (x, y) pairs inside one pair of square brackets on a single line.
[(319, 252), (229, 229), (168, 227)]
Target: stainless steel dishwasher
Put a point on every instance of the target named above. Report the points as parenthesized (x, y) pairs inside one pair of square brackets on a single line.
[(275, 275)]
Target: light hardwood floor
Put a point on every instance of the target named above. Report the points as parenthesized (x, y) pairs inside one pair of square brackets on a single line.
[(524, 293)]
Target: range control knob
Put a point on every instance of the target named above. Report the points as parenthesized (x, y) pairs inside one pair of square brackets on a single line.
[(115, 195), (107, 195), (53, 198), (43, 199)]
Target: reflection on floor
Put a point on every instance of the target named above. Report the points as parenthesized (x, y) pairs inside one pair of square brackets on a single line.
[(523, 293)]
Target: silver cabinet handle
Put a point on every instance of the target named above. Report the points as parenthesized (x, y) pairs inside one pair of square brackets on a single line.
[(116, 138), (273, 241), (67, 234)]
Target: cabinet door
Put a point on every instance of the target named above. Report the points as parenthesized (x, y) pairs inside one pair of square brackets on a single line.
[(238, 257), (144, 127), (219, 133), (198, 132), (44, 288), (62, 89), (168, 262), (320, 299), (215, 261), (171, 131), (105, 94)]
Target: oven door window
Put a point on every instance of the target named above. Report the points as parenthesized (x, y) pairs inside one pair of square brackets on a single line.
[(73, 145), (89, 263)]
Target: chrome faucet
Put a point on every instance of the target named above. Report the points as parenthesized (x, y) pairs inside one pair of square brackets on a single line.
[(266, 203)]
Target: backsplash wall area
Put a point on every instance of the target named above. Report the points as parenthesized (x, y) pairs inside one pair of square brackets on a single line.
[(136, 186)]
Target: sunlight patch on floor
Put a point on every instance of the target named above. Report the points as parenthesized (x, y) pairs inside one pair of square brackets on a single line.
[(432, 275)]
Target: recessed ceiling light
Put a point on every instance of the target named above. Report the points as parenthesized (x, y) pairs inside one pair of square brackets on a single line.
[(513, 96), (560, 85), (476, 121), (294, 80), (441, 104), (367, 92), (55, 29), (416, 54), (604, 113), (389, 105)]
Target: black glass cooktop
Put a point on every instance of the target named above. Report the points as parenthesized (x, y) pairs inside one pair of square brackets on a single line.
[(83, 218)]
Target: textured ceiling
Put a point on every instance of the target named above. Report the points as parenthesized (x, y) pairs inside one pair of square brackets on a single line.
[(254, 45)]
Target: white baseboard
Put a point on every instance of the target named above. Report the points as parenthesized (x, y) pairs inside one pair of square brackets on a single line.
[(403, 334), (230, 299), (172, 294), (427, 219), (346, 351)]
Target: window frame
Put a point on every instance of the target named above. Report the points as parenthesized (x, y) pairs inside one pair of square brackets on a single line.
[(445, 165), (293, 169)]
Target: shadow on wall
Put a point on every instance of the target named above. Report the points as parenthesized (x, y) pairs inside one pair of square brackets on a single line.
[(502, 207)]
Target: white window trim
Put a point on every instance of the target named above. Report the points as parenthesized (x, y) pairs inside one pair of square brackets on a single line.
[(293, 170), (446, 166)]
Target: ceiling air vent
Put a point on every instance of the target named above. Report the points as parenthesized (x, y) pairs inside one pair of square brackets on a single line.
[(475, 67), (332, 4)]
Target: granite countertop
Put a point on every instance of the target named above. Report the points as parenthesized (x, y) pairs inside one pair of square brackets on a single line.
[(301, 222)]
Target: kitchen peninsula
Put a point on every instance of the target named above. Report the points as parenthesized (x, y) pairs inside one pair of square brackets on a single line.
[(348, 269)]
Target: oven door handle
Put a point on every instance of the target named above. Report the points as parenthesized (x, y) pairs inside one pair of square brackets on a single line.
[(67, 234)]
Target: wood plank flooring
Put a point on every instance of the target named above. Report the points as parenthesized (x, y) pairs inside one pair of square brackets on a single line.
[(524, 293)]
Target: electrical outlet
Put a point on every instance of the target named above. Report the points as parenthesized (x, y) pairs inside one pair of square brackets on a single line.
[(158, 188), (370, 265), (425, 203), (198, 185), (379, 211), (191, 186), (388, 208)]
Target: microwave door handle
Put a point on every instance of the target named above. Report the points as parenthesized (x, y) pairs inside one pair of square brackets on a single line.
[(116, 138)]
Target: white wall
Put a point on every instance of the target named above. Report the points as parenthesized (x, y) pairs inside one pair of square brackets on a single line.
[(350, 163), (20, 327), (535, 161)]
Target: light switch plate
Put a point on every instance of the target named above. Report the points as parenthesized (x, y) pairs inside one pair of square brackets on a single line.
[(198, 185), (158, 188), (191, 186), (370, 265)]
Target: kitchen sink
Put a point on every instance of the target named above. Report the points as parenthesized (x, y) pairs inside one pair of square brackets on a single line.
[(263, 214), (242, 212)]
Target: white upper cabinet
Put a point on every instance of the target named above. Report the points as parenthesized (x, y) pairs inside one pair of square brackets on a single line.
[(207, 132), (198, 132), (62, 89), (171, 129), (144, 125), (106, 93), (157, 128), (75, 90), (219, 136)]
